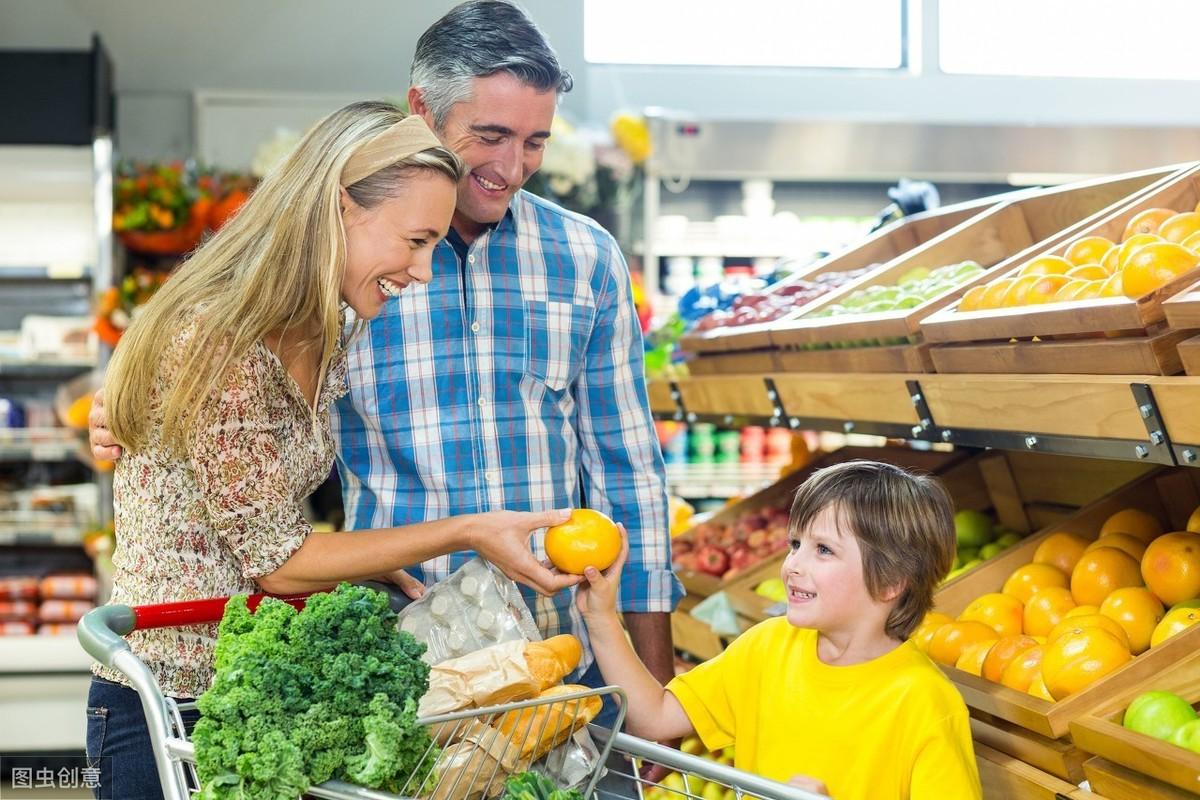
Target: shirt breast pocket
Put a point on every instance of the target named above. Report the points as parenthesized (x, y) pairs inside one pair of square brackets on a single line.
[(556, 335)]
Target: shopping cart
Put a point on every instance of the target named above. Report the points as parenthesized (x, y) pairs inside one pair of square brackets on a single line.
[(479, 747), (631, 755)]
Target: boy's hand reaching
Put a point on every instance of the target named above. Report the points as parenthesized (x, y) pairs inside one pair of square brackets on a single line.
[(596, 596), (809, 785)]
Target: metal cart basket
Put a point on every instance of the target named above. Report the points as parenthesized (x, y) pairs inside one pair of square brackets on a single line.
[(480, 746)]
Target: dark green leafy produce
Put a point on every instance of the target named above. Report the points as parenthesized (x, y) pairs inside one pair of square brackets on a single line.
[(302, 697), (536, 786)]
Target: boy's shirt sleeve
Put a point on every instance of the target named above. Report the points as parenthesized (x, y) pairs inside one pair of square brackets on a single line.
[(945, 766), (711, 693)]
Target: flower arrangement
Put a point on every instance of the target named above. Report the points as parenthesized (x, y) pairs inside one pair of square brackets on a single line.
[(119, 305)]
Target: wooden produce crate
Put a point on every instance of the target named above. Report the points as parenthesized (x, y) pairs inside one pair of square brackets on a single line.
[(1189, 355), (999, 239), (1183, 314), (1171, 495), (778, 495), (1118, 783), (694, 637), (878, 248), (1100, 730), (1104, 336), (1005, 777), (659, 393), (1023, 491)]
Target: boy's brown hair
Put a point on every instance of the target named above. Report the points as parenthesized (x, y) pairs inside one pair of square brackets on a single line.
[(904, 524)]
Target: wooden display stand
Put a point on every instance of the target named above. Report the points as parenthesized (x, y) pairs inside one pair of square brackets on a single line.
[(1006, 235), (1115, 333), (1183, 314), (878, 248), (1169, 494), (1151, 761), (1118, 783), (1005, 777)]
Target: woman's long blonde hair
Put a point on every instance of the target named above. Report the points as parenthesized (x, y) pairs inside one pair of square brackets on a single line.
[(276, 267)]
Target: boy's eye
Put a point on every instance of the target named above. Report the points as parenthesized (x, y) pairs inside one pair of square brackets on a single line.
[(823, 550)]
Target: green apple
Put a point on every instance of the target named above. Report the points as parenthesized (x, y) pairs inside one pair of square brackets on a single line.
[(1193, 603), (692, 744), (972, 528), (991, 550), (972, 564), (1008, 539), (966, 554), (914, 275), (1158, 714), (1187, 735), (713, 791)]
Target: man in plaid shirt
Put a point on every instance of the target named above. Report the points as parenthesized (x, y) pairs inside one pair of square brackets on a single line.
[(514, 379)]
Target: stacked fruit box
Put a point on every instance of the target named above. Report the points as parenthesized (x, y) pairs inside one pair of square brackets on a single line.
[(874, 325), (1183, 314), (1090, 304), (1062, 623), (747, 340), (999, 499), (1146, 736)]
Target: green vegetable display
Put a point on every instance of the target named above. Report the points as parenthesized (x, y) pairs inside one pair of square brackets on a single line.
[(535, 786), (304, 696)]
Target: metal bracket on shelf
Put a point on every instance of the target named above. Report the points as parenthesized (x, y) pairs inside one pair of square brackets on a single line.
[(779, 416), (925, 429), (681, 412), (1089, 447), (1159, 443)]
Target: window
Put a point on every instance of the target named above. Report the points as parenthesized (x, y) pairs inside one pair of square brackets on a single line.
[(759, 33), (1147, 39)]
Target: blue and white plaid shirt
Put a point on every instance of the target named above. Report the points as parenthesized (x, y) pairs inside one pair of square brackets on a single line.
[(513, 380)]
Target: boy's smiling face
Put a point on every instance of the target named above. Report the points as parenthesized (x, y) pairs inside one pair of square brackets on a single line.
[(825, 584)]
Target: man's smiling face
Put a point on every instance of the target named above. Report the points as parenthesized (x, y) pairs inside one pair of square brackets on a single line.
[(500, 132)]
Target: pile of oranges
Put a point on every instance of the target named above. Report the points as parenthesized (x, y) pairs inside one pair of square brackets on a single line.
[(1157, 246), (1078, 611)]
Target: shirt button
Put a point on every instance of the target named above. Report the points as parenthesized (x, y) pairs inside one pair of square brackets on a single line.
[(474, 327), (470, 259), (491, 477), (482, 402)]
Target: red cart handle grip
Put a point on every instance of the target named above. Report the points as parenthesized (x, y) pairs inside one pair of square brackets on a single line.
[(199, 612)]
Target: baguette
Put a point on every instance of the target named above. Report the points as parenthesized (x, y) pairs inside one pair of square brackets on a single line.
[(539, 729), (552, 660)]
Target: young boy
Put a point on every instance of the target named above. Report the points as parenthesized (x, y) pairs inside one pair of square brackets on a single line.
[(832, 698)]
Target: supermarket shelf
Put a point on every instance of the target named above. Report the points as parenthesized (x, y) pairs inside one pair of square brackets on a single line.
[(43, 369), (39, 444), (699, 481), (41, 534), (1130, 417), (42, 654)]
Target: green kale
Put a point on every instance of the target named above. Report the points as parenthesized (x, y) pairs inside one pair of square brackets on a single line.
[(533, 785), (303, 697)]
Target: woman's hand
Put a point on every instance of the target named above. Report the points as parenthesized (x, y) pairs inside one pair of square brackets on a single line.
[(413, 589), (597, 596), (104, 446), (502, 537)]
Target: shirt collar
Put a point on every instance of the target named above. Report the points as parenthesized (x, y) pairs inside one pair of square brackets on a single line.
[(507, 222)]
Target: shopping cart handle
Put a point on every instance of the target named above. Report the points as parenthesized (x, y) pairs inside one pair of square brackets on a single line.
[(102, 631)]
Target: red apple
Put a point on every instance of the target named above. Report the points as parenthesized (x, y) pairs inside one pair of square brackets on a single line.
[(713, 560)]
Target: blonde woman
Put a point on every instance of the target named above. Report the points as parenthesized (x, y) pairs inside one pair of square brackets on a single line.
[(220, 394)]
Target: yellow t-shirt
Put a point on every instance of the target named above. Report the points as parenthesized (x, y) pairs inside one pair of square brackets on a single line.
[(893, 727)]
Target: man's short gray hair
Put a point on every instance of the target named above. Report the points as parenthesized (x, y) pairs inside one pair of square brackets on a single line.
[(480, 38)]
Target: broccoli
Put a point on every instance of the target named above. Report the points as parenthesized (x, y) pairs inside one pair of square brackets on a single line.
[(303, 697), (533, 785)]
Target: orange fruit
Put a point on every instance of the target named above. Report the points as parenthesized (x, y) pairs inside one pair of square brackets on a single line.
[(929, 625), (1101, 572), (1093, 290), (1076, 624), (1133, 244), (1076, 660), (948, 642), (1079, 611), (1088, 272), (1088, 250), (1141, 524), (1047, 608), (1062, 550), (1171, 567), (1114, 286), (1037, 687), (970, 300), (1070, 290), (1122, 541), (1046, 265), (993, 294), (1136, 610), (973, 655), (1174, 621), (1000, 612), (1027, 580), (1147, 221), (1111, 261), (1002, 653), (587, 539), (1156, 265), (1020, 671), (1192, 242), (1180, 226), (1193, 523), (1044, 289), (1018, 289)]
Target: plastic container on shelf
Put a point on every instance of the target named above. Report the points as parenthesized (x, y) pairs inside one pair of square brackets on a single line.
[(701, 443), (779, 445), (675, 448), (728, 447), (753, 444)]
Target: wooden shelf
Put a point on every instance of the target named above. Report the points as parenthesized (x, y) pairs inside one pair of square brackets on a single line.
[(1089, 415)]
